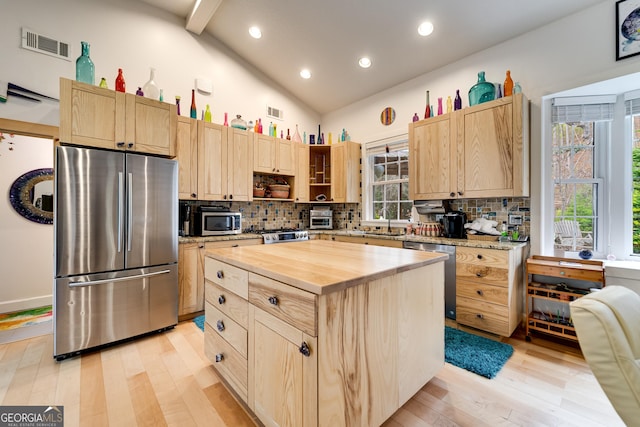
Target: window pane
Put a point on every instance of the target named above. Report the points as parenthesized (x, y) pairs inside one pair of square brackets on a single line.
[(389, 177), (378, 193), (391, 191), (405, 210)]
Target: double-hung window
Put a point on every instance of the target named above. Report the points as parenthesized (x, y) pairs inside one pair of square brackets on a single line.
[(580, 140), (386, 182)]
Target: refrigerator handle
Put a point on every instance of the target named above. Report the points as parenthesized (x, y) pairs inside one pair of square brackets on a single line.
[(120, 208), (118, 279), (129, 210)]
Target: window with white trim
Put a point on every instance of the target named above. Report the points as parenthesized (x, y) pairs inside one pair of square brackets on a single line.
[(580, 140), (386, 182)]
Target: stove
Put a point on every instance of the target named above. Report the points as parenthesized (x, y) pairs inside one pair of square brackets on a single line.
[(284, 236)]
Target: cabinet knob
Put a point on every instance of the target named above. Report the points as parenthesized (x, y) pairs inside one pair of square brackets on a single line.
[(479, 256), (277, 170), (480, 274), (200, 246), (273, 300), (194, 195), (480, 316), (460, 193), (273, 170), (305, 350), (479, 292), (224, 197), (220, 274), (221, 299), (220, 325), (120, 144), (230, 196), (219, 357), (130, 145), (452, 194)]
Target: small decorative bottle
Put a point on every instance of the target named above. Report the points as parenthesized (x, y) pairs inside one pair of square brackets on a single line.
[(271, 129), (139, 92), (274, 130), (207, 114), (517, 88), (194, 111), (498, 90), (85, 70), (449, 104), (415, 117), (161, 96), (226, 122), (427, 110), (281, 134), (440, 106), (178, 104), (150, 88), (457, 102), (103, 83), (288, 135), (260, 125), (508, 84), (296, 135), (120, 84)]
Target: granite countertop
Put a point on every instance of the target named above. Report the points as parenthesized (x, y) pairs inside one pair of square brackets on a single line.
[(371, 235), (324, 266)]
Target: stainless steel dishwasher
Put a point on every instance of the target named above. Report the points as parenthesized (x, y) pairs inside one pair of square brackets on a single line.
[(449, 272)]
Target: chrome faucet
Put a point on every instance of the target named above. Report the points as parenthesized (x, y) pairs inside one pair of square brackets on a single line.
[(385, 212)]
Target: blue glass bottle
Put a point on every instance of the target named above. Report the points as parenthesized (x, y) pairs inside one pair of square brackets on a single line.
[(482, 91), (85, 70)]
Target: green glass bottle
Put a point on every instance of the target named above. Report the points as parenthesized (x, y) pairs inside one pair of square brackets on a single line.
[(85, 70)]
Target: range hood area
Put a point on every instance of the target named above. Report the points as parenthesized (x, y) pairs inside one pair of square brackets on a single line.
[(424, 207)]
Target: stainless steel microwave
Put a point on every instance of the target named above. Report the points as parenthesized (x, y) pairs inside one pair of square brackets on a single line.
[(212, 222)]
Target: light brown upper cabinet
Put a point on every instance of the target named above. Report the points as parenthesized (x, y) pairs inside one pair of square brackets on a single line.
[(187, 157), (225, 156), (301, 190), (480, 151), (273, 155), (103, 118)]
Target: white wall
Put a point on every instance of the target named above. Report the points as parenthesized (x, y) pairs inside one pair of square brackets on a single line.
[(568, 53), (134, 36), (26, 251)]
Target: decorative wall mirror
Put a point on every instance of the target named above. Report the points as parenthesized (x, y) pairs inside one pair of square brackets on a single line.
[(31, 195)]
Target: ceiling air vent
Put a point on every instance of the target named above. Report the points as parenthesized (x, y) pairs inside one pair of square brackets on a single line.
[(276, 113), (43, 44)]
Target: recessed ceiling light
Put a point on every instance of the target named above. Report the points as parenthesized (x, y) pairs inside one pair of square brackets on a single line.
[(364, 62), (425, 28), (305, 74), (255, 32)]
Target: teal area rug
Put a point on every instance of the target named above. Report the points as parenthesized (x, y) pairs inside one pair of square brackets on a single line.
[(479, 355), (199, 321)]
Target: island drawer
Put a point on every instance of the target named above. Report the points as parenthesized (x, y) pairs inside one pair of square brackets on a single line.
[(227, 361), (289, 304), (227, 302), (483, 315), (482, 292), (224, 326), (229, 277)]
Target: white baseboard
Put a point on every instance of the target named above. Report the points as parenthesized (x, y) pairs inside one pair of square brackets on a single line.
[(25, 304)]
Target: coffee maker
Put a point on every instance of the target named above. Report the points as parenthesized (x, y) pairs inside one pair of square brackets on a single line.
[(185, 220), (453, 224)]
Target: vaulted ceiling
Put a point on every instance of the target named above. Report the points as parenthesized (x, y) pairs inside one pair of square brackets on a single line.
[(329, 36)]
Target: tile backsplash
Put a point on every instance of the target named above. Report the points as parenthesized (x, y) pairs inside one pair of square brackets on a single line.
[(268, 215)]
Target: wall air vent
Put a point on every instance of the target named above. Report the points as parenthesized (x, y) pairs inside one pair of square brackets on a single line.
[(43, 44), (275, 113)]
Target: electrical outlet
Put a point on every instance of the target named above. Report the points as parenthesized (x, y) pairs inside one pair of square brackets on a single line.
[(515, 219)]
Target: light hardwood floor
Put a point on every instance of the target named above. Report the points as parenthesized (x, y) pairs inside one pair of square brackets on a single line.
[(165, 379)]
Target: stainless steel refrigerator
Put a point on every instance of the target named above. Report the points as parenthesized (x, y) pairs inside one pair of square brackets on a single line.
[(116, 247)]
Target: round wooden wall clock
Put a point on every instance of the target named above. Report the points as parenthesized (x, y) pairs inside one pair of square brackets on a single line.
[(387, 116)]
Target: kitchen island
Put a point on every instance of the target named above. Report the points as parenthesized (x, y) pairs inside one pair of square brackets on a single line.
[(321, 333)]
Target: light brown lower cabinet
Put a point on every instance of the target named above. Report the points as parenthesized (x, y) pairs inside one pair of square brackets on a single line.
[(345, 358), (490, 289), (191, 273)]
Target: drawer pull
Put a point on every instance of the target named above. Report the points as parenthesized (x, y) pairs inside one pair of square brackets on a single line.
[(273, 300), (479, 256), (479, 274), (305, 350), (221, 299), (479, 292), (219, 357), (480, 316), (220, 325), (220, 274)]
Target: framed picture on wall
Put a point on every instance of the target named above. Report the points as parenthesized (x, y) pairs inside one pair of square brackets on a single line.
[(627, 28)]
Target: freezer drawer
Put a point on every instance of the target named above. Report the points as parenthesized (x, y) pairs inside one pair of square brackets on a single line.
[(93, 310)]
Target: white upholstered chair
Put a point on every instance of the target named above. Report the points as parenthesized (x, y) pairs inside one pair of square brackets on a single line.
[(608, 327)]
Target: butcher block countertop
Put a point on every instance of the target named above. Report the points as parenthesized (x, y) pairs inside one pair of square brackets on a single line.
[(321, 266)]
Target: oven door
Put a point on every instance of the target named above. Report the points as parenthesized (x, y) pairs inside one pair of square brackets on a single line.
[(320, 222)]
